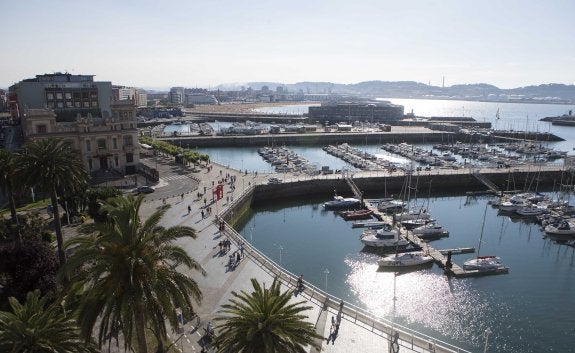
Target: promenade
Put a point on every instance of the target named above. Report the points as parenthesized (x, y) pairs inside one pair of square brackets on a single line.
[(358, 331)]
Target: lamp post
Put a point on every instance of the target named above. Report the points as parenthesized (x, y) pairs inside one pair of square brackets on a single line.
[(281, 248), (326, 272), (486, 334)]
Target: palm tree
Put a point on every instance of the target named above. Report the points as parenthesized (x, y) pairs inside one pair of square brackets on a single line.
[(128, 268), (56, 168), (264, 321), (38, 327), (7, 180)]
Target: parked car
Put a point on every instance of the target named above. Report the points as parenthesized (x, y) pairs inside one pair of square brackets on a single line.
[(274, 181), (144, 189)]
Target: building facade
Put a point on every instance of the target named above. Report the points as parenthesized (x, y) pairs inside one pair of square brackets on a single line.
[(377, 112), (82, 112)]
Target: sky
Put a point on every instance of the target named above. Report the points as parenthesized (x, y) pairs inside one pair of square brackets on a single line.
[(191, 43)]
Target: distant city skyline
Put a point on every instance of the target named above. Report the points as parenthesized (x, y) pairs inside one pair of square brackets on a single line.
[(157, 45)]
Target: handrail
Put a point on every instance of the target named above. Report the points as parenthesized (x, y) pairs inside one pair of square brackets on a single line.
[(324, 299)]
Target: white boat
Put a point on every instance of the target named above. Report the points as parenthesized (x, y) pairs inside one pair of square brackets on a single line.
[(383, 238), (412, 214), (391, 205), (430, 230), (484, 263), (341, 202), (414, 223), (405, 259), (563, 228), (530, 210)]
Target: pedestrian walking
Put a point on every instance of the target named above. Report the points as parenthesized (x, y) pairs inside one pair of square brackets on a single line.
[(242, 249), (189, 209), (202, 214)]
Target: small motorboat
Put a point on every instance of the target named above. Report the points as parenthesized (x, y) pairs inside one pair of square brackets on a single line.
[(430, 230), (405, 259), (339, 202), (358, 214), (530, 210), (563, 228), (414, 223), (391, 205), (387, 237)]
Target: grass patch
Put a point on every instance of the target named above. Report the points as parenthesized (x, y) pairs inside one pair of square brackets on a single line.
[(30, 206)]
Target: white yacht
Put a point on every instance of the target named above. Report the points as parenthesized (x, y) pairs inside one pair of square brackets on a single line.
[(412, 214), (387, 237), (430, 230), (405, 259), (341, 202), (530, 210)]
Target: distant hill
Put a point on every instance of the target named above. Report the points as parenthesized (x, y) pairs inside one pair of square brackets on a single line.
[(552, 93)]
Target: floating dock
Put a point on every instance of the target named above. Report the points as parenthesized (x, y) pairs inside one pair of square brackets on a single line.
[(438, 255)]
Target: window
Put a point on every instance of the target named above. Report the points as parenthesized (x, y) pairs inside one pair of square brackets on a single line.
[(116, 160), (78, 104), (128, 140), (95, 104), (68, 104), (86, 104), (90, 163), (101, 143), (51, 105), (59, 95), (68, 95), (114, 143), (88, 145), (129, 157), (50, 96), (60, 104), (41, 129)]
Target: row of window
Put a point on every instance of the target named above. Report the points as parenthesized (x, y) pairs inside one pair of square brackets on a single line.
[(70, 104), (129, 159), (128, 141), (50, 96)]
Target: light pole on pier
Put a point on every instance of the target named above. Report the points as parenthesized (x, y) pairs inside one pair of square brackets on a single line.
[(326, 272)]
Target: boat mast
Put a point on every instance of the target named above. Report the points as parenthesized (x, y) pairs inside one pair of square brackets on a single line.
[(482, 227)]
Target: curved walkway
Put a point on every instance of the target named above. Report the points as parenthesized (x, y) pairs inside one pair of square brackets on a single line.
[(357, 328)]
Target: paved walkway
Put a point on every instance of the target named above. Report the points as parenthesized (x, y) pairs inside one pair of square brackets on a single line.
[(217, 286)]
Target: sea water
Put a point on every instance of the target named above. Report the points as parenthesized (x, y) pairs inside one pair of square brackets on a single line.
[(530, 309)]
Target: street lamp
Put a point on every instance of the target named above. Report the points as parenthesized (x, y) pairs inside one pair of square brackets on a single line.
[(281, 249), (486, 334), (326, 271)]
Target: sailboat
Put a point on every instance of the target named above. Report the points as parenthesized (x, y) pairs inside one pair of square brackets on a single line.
[(484, 263)]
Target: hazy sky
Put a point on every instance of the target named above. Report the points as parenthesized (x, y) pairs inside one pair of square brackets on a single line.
[(204, 43)]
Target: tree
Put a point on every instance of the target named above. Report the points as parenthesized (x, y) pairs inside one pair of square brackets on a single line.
[(26, 266), (55, 168), (128, 268), (264, 321), (38, 327), (7, 180)]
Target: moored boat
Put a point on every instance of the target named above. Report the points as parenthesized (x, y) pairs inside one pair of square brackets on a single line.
[(430, 230), (341, 202), (357, 214), (387, 237), (405, 259), (484, 263), (563, 228)]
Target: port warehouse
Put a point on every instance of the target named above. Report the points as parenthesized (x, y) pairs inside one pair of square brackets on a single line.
[(377, 111)]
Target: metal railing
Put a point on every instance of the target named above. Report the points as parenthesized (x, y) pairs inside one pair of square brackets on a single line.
[(382, 327)]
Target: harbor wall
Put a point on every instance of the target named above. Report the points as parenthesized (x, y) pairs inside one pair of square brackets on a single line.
[(322, 139), (440, 184)]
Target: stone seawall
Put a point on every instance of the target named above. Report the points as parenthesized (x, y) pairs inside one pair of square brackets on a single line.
[(440, 184)]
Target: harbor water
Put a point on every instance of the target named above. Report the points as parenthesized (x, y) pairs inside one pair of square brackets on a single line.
[(530, 309)]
